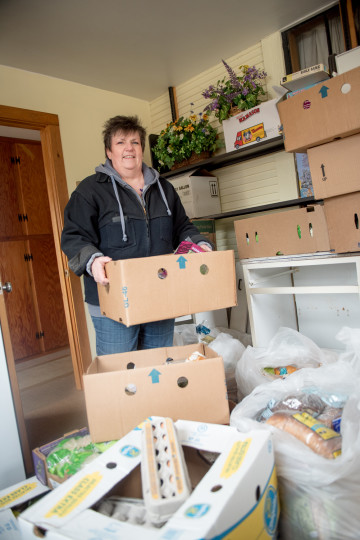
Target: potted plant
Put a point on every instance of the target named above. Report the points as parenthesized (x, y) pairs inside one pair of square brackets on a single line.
[(235, 93), (185, 141)]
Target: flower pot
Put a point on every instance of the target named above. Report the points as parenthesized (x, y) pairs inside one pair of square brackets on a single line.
[(193, 159)]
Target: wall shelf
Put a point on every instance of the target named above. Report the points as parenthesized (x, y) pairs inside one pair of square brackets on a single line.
[(231, 158)]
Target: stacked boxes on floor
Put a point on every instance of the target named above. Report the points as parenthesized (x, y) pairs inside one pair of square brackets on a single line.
[(323, 121)]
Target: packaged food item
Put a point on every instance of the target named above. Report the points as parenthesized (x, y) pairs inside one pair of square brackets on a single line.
[(188, 247), (321, 439), (282, 371)]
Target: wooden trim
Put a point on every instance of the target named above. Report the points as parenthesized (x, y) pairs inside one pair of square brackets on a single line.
[(48, 125), (173, 103), (28, 463), (26, 118)]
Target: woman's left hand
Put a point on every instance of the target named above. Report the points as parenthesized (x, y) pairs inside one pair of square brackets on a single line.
[(205, 247)]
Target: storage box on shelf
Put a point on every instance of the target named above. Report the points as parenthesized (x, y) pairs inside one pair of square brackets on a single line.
[(314, 294), (322, 113), (252, 126), (343, 222), (199, 192), (335, 167), (299, 230)]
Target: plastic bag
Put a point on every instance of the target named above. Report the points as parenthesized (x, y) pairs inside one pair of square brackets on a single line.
[(231, 350), (287, 348), (318, 496)]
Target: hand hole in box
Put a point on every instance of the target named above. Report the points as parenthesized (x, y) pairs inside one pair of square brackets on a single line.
[(216, 488), (162, 273), (111, 465), (130, 365), (182, 382), (356, 220), (257, 493), (247, 239), (204, 269), (130, 389), (299, 231), (256, 237), (345, 89), (311, 231)]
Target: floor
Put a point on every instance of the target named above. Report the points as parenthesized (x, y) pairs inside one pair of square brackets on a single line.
[(51, 403)]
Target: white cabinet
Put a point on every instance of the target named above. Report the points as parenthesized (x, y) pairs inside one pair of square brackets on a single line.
[(314, 294)]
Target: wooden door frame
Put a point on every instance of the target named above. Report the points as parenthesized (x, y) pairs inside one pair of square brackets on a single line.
[(48, 126)]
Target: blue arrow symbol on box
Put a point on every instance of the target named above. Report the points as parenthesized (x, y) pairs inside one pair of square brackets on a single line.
[(181, 260), (154, 374), (323, 91)]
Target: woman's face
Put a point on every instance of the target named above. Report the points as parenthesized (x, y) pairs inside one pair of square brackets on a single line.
[(126, 153)]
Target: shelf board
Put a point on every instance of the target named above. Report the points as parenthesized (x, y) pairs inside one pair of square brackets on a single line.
[(230, 158)]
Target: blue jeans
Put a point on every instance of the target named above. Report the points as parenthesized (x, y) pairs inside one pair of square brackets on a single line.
[(114, 337)]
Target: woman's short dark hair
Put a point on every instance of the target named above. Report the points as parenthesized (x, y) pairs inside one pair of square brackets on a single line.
[(126, 124)]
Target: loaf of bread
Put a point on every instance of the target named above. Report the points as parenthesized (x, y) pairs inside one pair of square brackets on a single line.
[(307, 429)]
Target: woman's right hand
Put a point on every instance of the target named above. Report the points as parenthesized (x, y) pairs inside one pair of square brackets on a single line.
[(98, 270)]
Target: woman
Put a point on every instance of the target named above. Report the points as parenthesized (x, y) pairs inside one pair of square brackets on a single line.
[(124, 210)]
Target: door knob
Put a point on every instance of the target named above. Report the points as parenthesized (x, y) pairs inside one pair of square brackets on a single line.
[(7, 287)]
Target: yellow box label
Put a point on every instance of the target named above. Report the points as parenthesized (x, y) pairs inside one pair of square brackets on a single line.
[(235, 458), (17, 494), (75, 496)]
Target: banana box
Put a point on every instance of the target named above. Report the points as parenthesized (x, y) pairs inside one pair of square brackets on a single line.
[(12, 500), (233, 493)]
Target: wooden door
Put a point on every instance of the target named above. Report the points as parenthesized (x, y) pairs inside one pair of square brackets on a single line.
[(52, 329), (21, 310), (10, 200), (35, 200)]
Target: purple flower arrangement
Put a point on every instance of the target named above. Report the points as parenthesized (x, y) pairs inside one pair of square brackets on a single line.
[(235, 91)]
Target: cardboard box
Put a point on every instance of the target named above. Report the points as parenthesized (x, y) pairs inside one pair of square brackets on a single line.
[(207, 228), (335, 167), (14, 499), (139, 384), (199, 193), (343, 221), (305, 77), (322, 113), (168, 286), (252, 126), (300, 230), (237, 497), (40, 454)]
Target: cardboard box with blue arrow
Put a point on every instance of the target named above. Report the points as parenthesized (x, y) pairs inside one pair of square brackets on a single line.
[(122, 390), (166, 286), (323, 113)]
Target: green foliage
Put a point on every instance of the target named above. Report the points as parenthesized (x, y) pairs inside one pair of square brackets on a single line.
[(242, 91), (180, 139)]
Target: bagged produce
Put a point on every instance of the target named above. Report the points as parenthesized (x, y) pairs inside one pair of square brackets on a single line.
[(287, 352), (319, 495)]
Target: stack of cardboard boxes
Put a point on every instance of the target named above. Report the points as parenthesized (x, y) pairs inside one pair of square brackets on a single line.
[(323, 121)]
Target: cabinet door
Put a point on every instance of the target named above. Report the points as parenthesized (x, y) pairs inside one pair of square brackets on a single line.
[(10, 199), (20, 303), (35, 199), (48, 293)]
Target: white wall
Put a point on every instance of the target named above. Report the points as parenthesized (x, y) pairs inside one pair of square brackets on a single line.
[(82, 111)]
